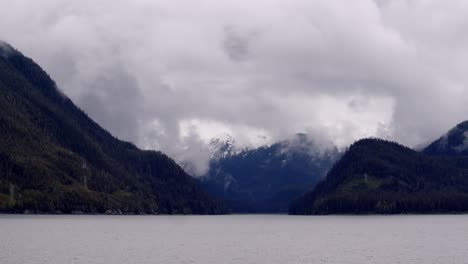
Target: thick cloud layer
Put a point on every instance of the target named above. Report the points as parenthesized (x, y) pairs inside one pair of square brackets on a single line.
[(171, 75)]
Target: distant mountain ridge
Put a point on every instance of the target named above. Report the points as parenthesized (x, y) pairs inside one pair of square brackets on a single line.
[(268, 178), (452, 143), (54, 158), (378, 176)]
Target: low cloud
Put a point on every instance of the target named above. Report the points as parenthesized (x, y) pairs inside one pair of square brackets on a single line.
[(170, 74)]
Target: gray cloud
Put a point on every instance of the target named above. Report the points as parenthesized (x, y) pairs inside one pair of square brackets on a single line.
[(113, 99), (170, 75), (237, 46)]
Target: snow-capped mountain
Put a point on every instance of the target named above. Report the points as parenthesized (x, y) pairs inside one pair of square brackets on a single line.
[(195, 158), (268, 178), (222, 148)]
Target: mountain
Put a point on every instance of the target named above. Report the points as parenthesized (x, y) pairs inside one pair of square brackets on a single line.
[(453, 143), (377, 176), (266, 179), (222, 148), (54, 158)]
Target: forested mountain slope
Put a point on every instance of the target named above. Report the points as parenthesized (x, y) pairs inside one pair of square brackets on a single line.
[(54, 158), (377, 176)]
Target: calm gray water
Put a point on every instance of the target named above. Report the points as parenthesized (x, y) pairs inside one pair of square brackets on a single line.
[(233, 239)]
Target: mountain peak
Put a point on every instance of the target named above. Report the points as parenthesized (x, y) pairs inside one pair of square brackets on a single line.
[(267, 178), (454, 142), (379, 176), (222, 147), (6, 49)]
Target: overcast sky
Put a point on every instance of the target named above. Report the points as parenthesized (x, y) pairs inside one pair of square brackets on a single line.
[(171, 75)]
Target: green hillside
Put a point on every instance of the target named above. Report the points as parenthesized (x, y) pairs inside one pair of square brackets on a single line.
[(54, 158), (377, 176)]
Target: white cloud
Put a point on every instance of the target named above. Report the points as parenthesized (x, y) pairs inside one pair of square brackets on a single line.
[(148, 70)]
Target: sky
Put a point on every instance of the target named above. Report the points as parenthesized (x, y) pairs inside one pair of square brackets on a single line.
[(172, 75)]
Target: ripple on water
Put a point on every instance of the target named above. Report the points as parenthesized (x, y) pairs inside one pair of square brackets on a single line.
[(233, 239)]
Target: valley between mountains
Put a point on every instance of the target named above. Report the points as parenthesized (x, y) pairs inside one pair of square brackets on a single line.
[(55, 159)]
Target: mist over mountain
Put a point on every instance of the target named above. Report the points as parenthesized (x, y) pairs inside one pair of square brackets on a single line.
[(172, 75), (268, 178), (195, 158), (54, 158), (378, 176), (207, 131), (452, 143)]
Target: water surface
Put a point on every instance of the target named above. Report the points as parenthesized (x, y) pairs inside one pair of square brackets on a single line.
[(270, 239)]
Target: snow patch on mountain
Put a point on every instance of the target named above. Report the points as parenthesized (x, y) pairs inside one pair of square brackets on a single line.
[(225, 146), (221, 148), (196, 160)]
